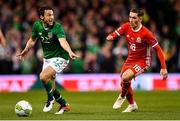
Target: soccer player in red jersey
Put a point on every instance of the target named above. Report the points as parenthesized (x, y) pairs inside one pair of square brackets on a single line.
[(139, 40)]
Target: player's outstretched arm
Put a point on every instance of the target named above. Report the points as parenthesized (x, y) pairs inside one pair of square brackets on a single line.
[(109, 37), (30, 43), (65, 45), (118, 32), (159, 52), (2, 39)]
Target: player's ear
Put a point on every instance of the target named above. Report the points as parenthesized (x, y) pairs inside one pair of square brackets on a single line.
[(41, 17), (140, 18)]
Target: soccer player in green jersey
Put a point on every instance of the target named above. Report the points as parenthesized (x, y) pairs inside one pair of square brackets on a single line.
[(57, 53)]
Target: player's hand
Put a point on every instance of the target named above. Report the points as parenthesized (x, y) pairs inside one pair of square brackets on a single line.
[(109, 37), (72, 55), (22, 55), (164, 73)]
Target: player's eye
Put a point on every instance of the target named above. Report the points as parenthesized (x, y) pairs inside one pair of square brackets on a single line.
[(132, 17)]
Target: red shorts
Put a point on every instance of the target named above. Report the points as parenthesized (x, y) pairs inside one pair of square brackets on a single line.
[(136, 67)]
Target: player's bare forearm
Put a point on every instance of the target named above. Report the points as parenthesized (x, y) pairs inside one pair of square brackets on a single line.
[(2, 38), (3, 42), (65, 45), (29, 45)]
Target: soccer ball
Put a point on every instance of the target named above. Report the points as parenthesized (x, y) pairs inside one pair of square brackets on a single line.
[(23, 108)]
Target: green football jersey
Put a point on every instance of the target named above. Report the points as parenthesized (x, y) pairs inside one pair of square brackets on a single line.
[(49, 39)]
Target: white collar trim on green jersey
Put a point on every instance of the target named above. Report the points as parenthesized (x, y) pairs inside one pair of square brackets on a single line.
[(46, 28)]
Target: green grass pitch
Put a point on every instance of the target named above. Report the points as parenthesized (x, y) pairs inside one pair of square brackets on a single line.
[(156, 105)]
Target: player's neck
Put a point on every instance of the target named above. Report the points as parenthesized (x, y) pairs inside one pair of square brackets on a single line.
[(45, 26), (137, 28)]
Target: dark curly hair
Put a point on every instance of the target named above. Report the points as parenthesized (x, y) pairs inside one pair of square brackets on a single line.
[(42, 9)]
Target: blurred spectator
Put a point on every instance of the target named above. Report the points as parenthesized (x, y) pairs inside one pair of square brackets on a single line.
[(77, 66), (28, 66), (86, 23), (121, 52), (106, 60)]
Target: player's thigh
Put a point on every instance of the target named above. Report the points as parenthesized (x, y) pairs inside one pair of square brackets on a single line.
[(127, 75), (130, 71), (47, 73)]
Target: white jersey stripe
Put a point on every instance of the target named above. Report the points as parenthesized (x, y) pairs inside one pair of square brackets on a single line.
[(148, 56), (117, 33), (155, 44)]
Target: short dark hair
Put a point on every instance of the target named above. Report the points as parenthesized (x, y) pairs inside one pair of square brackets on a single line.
[(42, 9), (139, 11)]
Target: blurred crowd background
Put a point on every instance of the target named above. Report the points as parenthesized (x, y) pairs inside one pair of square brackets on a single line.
[(86, 24)]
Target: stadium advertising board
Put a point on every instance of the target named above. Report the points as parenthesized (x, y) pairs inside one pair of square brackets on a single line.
[(16, 83), (91, 82), (104, 82)]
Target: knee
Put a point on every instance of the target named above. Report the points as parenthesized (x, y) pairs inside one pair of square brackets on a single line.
[(127, 75), (125, 79), (43, 77)]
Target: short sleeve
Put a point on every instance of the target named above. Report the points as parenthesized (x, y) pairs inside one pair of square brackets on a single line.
[(60, 31), (151, 40), (34, 33), (121, 30)]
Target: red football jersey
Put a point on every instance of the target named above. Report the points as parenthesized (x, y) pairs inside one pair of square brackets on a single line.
[(139, 42)]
